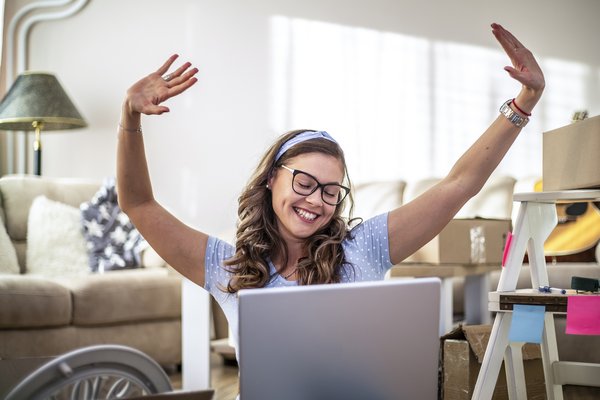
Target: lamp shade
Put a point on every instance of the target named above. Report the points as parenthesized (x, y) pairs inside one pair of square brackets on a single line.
[(38, 97)]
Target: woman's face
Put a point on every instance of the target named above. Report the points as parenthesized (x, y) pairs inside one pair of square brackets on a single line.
[(298, 216)]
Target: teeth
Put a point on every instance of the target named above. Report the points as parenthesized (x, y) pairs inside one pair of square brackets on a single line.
[(305, 214)]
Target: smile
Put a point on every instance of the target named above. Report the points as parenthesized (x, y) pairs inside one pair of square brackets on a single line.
[(308, 216)]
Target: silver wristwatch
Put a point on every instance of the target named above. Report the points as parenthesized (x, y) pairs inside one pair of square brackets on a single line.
[(512, 116)]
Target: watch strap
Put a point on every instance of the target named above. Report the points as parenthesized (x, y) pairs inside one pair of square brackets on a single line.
[(512, 115)]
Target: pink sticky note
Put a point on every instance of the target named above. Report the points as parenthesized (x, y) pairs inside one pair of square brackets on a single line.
[(509, 237), (583, 315)]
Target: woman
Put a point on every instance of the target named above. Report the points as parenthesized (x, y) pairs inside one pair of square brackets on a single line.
[(290, 228)]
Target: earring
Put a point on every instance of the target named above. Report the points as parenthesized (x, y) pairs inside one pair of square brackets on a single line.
[(268, 187)]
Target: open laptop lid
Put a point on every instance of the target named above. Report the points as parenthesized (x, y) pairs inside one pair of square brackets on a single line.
[(368, 340)]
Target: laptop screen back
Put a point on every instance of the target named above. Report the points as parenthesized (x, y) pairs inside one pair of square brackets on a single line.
[(369, 340)]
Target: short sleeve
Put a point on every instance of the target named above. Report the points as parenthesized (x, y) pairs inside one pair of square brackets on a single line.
[(367, 249), (216, 275)]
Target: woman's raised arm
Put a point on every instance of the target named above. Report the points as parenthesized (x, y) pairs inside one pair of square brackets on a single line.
[(414, 224), (178, 244)]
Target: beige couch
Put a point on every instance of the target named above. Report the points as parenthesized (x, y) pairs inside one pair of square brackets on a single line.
[(50, 314)]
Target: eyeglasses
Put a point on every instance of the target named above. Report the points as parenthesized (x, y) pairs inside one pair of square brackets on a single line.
[(305, 184)]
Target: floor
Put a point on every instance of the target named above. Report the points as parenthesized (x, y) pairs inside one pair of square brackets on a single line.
[(224, 378)]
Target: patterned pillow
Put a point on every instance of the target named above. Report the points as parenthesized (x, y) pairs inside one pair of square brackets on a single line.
[(113, 243)]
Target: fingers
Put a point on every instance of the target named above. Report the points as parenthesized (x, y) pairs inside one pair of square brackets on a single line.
[(524, 66), (181, 79), (505, 37), (178, 77), (147, 95), (175, 90), (508, 42), (165, 67), (172, 76), (156, 110), (514, 73), (177, 81)]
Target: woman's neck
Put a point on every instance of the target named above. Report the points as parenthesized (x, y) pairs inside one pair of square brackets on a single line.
[(287, 268)]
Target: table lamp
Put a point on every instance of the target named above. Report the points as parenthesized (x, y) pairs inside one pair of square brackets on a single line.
[(36, 101)]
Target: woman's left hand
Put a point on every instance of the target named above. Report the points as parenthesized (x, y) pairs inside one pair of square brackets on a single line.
[(525, 68)]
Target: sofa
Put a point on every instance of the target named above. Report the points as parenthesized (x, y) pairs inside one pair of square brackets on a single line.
[(50, 308)]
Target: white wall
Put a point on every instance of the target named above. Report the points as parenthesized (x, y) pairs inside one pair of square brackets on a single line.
[(201, 154)]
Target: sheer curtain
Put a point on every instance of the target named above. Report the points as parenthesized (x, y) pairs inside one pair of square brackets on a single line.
[(405, 107)]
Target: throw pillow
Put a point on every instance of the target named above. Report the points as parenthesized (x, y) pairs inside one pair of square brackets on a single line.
[(55, 244), (8, 256), (113, 242)]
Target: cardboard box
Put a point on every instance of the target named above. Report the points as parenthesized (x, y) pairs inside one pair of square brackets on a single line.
[(462, 352), (571, 156), (466, 241)]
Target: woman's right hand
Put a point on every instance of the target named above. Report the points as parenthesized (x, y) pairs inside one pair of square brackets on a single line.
[(147, 95)]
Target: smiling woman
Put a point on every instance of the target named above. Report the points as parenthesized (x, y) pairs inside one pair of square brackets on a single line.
[(297, 210), (292, 229)]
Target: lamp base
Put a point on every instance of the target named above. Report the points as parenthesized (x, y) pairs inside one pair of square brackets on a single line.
[(37, 161), (37, 149)]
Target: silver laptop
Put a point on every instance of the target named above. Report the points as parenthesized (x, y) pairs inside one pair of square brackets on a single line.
[(356, 341)]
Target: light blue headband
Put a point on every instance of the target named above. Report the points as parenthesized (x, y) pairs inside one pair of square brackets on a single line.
[(302, 137)]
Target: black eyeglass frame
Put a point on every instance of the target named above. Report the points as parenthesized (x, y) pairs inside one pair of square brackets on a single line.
[(345, 190)]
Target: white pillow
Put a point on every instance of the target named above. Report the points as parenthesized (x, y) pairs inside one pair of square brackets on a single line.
[(55, 243), (8, 256)]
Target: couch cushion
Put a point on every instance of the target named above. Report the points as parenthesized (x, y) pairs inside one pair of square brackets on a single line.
[(29, 302), (119, 296), (21, 249), (374, 198), (55, 244), (494, 200), (160, 340), (19, 191), (8, 256)]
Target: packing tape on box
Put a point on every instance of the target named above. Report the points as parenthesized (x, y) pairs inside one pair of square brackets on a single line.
[(477, 245)]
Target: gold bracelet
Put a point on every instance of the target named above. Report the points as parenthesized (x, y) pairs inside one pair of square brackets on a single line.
[(137, 130)]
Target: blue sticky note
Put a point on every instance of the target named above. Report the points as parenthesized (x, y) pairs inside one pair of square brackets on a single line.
[(527, 324)]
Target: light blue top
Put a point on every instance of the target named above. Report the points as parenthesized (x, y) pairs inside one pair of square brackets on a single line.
[(367, 250)]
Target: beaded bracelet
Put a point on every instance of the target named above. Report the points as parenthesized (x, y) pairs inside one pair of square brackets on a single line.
[(514, 103)]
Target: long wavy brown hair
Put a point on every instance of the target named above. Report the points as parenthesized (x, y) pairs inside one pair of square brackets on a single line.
[(257, 237)]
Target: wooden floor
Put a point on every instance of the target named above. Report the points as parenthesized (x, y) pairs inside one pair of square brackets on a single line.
[(224, 378)]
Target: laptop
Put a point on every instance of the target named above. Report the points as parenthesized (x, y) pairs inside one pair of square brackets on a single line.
[(352, 341)]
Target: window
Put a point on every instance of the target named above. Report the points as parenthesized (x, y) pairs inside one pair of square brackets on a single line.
[(405, 107)]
